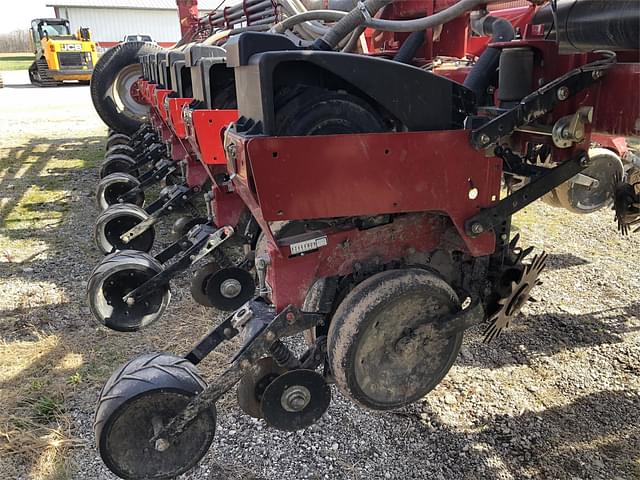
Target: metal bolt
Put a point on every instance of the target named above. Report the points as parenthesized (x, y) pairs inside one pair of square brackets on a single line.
[(245, 364), (562, 93), (584, 161), (291, 318), (597, 74), (270, 336), (484, 139), (131, 301), (162, 444), (477, 228), (227, 332), (295, 398)]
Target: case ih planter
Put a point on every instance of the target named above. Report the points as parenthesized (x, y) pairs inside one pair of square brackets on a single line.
[(359, 159)]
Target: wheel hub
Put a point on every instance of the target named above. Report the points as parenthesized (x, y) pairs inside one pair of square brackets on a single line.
[(296, 398), (230, 288)]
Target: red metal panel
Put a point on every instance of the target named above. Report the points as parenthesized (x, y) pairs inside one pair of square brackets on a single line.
[(299, 178), (291, 277), (209, 126), (161, 94), (227, 206), (175, 115)]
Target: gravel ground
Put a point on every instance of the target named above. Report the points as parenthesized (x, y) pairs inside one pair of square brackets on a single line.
[(557, 396)]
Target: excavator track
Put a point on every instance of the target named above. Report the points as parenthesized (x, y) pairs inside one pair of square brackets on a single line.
[(39, 74)]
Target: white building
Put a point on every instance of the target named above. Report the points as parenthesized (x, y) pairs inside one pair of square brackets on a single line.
[(110, 20)]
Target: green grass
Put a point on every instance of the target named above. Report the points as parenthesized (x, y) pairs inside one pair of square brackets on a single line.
[(15, 61)]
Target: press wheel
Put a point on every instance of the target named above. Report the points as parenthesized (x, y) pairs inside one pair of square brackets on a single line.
[(383, 350), (140, 398)]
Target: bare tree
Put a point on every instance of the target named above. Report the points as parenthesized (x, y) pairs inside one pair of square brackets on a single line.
[(15, 42)]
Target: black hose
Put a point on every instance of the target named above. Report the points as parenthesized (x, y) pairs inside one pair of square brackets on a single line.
[(485, 68), (408, 50)]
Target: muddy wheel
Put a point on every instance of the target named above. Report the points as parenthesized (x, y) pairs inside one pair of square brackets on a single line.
[(382, 348), (117, 220), (113, 186), (118, 163), (141, 397), (116, 276), (117, 139)]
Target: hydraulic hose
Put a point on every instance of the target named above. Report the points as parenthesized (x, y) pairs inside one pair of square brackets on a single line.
[(364, 12), (326, 15), (410, 46), (434, 20), (484, 69), (355, 18)]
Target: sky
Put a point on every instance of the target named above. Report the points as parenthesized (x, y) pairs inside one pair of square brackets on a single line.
[(17, 14)]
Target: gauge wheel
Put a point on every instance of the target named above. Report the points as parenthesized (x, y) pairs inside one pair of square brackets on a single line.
[(140, 398)]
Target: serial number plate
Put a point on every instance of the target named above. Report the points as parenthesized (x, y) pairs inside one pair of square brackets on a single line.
[(308, 245)]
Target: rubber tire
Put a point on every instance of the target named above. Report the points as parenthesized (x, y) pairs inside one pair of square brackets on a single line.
[(106, 245), (118, 163), (105, 72), (358, 310), (125, 260), (159, 374), (120, 150), (317, 111), (117, 139), (124, 182)]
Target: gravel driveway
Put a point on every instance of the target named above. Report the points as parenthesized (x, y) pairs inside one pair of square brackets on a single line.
[(556, 397)]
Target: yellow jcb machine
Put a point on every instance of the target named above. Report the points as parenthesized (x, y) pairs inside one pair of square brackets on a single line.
[(60, 56)]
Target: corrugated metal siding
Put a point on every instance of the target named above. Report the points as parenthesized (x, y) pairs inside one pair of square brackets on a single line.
[(138, 4), (111, 25)]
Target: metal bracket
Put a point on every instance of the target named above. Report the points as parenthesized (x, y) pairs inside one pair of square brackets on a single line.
[(252, 352), (215, 240), (489, 218), (199, 237), (176, 196), (542, 101)]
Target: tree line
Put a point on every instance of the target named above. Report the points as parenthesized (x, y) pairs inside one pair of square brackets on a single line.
[(15, 42)]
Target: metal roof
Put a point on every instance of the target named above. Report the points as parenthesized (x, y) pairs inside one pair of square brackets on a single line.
[(132, 4)]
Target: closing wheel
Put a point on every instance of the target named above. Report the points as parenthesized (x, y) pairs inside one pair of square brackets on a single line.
[(117, 139), (183, 224), (295, 400), (254, 383), (382, 348), (226, 289), (119, 150), (118, 163), (113, 186), (117, 220), (116, 276), (140, 398)]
